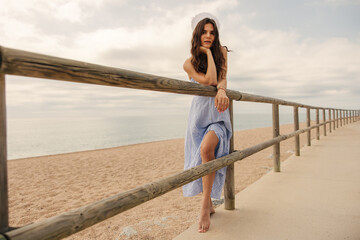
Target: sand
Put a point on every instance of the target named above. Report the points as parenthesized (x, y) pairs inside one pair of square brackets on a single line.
[(42, 187)]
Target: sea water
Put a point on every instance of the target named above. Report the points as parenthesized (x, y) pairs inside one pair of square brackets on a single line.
[(38, 137)]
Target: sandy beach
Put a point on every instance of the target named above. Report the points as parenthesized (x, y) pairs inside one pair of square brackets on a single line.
[(42, 187)]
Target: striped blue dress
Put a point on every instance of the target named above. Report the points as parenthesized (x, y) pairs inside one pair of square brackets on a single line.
[(204, 117)]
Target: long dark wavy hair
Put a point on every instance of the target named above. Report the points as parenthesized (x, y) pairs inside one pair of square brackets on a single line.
[(199, 60)]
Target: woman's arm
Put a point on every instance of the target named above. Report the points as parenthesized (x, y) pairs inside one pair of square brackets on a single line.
[(210, 78), (221, 83), (221, 99)]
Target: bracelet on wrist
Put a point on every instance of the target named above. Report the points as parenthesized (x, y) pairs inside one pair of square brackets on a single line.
[(221, 88)]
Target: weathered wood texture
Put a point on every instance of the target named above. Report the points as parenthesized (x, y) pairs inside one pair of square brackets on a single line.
[(4, 204), (356, 116), (76, 220), (341, 118), (308, 125), (317, 122), (350, 117), (329, 120), (324, 120), (29, 64), (229, 189), (276, 133), (296, 128), (23, 63), (346, 117)]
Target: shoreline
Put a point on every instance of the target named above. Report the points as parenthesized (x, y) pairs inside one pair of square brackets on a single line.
[(129, 145), (92, 150), (45, 186)]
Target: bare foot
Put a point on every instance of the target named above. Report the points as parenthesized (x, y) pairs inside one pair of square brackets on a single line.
[(204, 221), (212, 209)]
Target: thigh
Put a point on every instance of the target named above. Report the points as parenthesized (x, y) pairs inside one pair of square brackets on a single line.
[(210, 141)]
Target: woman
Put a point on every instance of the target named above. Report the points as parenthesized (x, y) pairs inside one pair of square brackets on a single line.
[(209, 127)]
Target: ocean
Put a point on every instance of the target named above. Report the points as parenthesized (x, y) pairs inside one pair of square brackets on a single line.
[(38, 137)]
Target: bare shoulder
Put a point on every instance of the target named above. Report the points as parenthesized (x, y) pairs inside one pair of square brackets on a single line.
[(188, 65), (224, 51)]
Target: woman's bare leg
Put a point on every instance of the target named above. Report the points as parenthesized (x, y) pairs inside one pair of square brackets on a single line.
[(207, 151)]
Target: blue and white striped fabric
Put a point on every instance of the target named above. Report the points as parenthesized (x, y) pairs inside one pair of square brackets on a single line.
[(204, 117)]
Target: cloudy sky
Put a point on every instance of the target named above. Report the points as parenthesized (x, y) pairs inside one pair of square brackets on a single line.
[(306, 51)]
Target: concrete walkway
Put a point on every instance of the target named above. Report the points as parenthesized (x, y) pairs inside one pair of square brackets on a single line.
[(316, 196)]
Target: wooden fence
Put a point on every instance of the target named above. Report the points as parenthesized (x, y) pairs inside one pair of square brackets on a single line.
[(22, 63)]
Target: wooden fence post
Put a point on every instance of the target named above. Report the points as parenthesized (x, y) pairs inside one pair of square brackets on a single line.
[(276, 132), (317, 122), (341, 118), (324, 120), (229, 189), (347, 117), (333, 119), (350, 116), (356, 116), (308, 123), (329, 120), (337, 118), (4, 200), (353, 114), (296, 127)]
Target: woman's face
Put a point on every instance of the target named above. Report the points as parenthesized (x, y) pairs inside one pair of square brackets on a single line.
[(207, 36)]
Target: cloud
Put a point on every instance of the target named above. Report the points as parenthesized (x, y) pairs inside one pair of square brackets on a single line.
[(155, 38), (342, 2), (282, 64), (335, 2)]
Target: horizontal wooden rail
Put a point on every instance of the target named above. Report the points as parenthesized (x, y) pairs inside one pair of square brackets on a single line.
[(23, 63), (76, 220)]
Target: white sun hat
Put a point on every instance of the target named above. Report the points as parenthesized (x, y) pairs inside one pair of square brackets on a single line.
[(195, 20)]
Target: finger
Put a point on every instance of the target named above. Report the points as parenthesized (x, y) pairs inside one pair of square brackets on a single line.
[(216, 102)]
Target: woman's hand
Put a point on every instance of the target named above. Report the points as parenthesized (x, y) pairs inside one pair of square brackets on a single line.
[(204, 49), (221, 101)]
